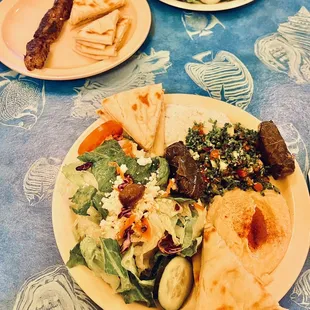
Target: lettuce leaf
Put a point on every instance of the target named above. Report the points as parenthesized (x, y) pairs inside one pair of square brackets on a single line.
[(97, 203), (162, 172), (113, 260), (76, 257), (82, 199), (140, 174), (131, 288), (109, 149), (79, 178), (104, 174), (192, 249)]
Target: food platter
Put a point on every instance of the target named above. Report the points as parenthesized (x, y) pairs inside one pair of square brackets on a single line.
[(293, 189), (221, 6), (16, 29)]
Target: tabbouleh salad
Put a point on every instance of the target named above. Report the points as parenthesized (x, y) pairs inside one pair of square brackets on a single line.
[(228, 157)]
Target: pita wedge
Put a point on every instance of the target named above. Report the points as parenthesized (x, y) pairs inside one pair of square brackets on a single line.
[(84, 11), (102, 30), (105, 51), (224, 283), (139, 111)]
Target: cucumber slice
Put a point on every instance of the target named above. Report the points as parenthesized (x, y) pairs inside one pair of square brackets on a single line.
[(175, 284)]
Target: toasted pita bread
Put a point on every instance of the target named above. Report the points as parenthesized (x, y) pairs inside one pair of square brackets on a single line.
[(84, 11), (108, 50), (224, 283), (256, 228), (98, 46), (138, 111), (102, 30), (158, 147)]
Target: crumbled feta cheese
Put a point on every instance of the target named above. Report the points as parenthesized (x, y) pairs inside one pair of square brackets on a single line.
[(195, 155), (223, 165), (112, 203), (235, 154), (118, 181), (123, 168), (143, 161), (213, 163), (110, 227)]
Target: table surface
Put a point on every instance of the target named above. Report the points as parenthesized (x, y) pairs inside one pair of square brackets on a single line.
[(262, 53)]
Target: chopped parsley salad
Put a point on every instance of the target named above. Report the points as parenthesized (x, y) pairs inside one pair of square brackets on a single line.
[(228, 157)]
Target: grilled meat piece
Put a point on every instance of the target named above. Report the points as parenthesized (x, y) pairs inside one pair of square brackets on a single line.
[(48, 31), (274, 151), (185, 170), (37, 51)]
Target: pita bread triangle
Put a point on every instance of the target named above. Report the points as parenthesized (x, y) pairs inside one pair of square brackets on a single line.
[(224, 283), (84, 11), (138, 111)]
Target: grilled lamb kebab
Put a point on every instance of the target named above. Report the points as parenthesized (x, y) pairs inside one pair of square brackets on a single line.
[(48, 31)]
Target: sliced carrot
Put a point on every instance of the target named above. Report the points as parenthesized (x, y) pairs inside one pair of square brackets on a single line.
[(144, 228), (97, 136), (169, 187), (127, 224), (127, 148), (198, 207)]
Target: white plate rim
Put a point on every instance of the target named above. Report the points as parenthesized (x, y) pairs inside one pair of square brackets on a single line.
[(221, 6), (8, 59), (284, 275)]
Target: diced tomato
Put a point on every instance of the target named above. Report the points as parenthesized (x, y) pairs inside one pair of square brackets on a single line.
[(246, 147), (97, 136), (144, 228), (258, 187), (242, 173), (214, 154)]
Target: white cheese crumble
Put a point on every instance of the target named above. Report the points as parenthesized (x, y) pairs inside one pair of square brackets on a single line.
[(143, 161), (112, 203), (195, 155), (223, 165), (123, 168)]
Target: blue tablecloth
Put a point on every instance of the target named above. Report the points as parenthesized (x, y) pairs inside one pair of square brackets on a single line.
[(256, 57)]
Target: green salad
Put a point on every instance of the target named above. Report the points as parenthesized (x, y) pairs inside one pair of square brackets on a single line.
[(128, 226)]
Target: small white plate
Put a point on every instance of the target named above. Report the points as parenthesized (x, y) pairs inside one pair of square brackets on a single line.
[(293, 188), (221, 6), (19, 20)]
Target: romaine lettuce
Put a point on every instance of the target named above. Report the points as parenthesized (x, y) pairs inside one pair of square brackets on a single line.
[(82, 199), (76, 257)]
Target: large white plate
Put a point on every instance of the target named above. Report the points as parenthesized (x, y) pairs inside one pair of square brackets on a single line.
[(293, 188), (221, 6), (19, 20)]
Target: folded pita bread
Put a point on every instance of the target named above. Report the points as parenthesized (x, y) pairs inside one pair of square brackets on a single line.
[(109, 50), (224, 283), (102, 30), (138, 111), (98, 46), (84, 11)]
